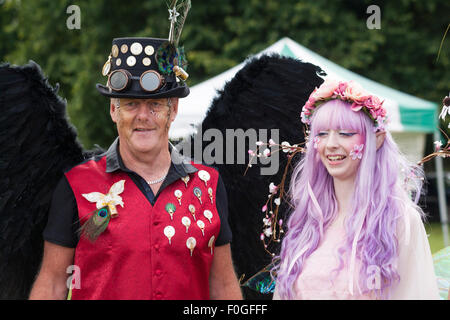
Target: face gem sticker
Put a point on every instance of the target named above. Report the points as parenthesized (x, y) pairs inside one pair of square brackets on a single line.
[(186, 222), (191, 243), (208, 215), (169, 232)]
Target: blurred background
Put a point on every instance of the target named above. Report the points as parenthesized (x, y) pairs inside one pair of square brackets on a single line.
[(218, 35)]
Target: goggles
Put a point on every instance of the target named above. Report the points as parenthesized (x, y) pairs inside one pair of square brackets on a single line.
[(120, 80)]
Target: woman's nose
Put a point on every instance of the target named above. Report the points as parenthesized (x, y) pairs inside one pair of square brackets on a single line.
[(332, 141)]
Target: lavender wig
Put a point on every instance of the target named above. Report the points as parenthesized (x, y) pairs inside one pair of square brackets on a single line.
[(381, 197)]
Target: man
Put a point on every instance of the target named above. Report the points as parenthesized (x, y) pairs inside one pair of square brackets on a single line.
[(153, 225)]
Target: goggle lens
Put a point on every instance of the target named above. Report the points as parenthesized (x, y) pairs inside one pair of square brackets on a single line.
[(118, 81), (150, 81)]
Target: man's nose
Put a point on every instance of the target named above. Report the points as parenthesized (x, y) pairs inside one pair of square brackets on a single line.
[(144, 111)]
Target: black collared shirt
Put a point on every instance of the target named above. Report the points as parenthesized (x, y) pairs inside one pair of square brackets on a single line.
[(63, 224)]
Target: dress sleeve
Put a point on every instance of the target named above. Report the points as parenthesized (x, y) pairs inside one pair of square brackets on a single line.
[(415, 263), (276, 295)]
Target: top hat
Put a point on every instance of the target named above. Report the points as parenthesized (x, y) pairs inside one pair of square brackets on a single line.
[(144, 68)]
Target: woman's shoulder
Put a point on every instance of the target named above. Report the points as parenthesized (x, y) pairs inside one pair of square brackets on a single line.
[(410, 221)]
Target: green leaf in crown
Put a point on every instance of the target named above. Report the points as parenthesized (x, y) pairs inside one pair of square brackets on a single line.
[(168, 56)]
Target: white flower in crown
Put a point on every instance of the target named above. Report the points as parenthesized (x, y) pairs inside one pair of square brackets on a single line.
[(111, 199)]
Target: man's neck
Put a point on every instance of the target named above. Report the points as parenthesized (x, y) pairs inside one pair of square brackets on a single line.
[(151, 165)]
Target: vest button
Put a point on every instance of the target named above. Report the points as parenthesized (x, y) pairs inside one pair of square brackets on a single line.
[(156, 247), (158, 273), (158, 296)]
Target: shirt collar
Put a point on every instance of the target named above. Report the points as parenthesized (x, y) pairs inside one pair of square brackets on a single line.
[(114, 161)]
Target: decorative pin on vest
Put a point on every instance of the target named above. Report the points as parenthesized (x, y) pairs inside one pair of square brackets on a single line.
[(111, 199), (204, 176)]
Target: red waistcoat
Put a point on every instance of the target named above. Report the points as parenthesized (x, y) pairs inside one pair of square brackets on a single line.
[(133, 258)]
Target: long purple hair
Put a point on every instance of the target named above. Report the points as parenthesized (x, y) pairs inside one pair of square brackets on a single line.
[(381, 197)]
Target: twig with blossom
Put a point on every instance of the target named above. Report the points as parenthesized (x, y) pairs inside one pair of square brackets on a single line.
[(272, 225)]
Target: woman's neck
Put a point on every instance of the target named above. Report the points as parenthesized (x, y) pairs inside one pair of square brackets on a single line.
[(344, 191)]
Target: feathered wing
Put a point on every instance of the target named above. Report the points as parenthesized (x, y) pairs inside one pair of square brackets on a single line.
[(267, 93), (37, 143)]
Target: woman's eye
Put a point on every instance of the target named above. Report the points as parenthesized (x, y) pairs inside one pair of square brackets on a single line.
[(321, 134), (347, 134)]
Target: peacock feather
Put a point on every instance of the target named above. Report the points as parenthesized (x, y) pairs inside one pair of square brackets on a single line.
[(96, 224)]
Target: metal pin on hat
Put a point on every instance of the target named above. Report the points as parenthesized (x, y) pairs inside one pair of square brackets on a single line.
[(198, 194), (178, 195), (204, 176)]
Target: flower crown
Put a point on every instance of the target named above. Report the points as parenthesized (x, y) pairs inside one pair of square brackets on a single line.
[(350, 92)]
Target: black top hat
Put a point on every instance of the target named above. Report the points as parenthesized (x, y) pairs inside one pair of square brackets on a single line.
[(144, 68)]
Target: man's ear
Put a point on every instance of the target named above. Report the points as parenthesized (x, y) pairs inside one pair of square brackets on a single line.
[(174, 112), (380, 136), (113, 110)]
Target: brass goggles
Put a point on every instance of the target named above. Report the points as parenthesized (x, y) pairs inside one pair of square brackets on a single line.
[(121, 79)]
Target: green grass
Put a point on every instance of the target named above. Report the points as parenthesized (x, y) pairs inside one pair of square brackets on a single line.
[(436, 237)]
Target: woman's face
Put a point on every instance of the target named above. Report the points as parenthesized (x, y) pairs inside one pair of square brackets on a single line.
[(341, 152)]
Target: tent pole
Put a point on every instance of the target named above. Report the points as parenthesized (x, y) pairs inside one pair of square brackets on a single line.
[(441, 194)]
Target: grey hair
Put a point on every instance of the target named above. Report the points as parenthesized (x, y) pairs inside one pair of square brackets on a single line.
[(116, 102)]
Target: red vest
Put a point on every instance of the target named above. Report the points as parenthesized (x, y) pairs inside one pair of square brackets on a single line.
[(133, 258)]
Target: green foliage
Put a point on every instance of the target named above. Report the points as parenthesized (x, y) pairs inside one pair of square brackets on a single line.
[(218, 35)]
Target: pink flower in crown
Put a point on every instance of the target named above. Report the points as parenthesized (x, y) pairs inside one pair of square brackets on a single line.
[(340, 90), (326, 90), (373, 102), (355, 93), (380, 125)]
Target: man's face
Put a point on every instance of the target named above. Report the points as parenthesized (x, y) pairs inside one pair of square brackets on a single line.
[(143, 124)]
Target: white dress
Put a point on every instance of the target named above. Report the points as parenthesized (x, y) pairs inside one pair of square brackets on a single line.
[(414, 266)]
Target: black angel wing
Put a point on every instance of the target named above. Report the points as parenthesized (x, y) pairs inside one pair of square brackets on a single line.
[(36, 144), (267, 93)]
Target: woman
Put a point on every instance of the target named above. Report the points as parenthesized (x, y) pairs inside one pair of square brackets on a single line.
[(355, 233)]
